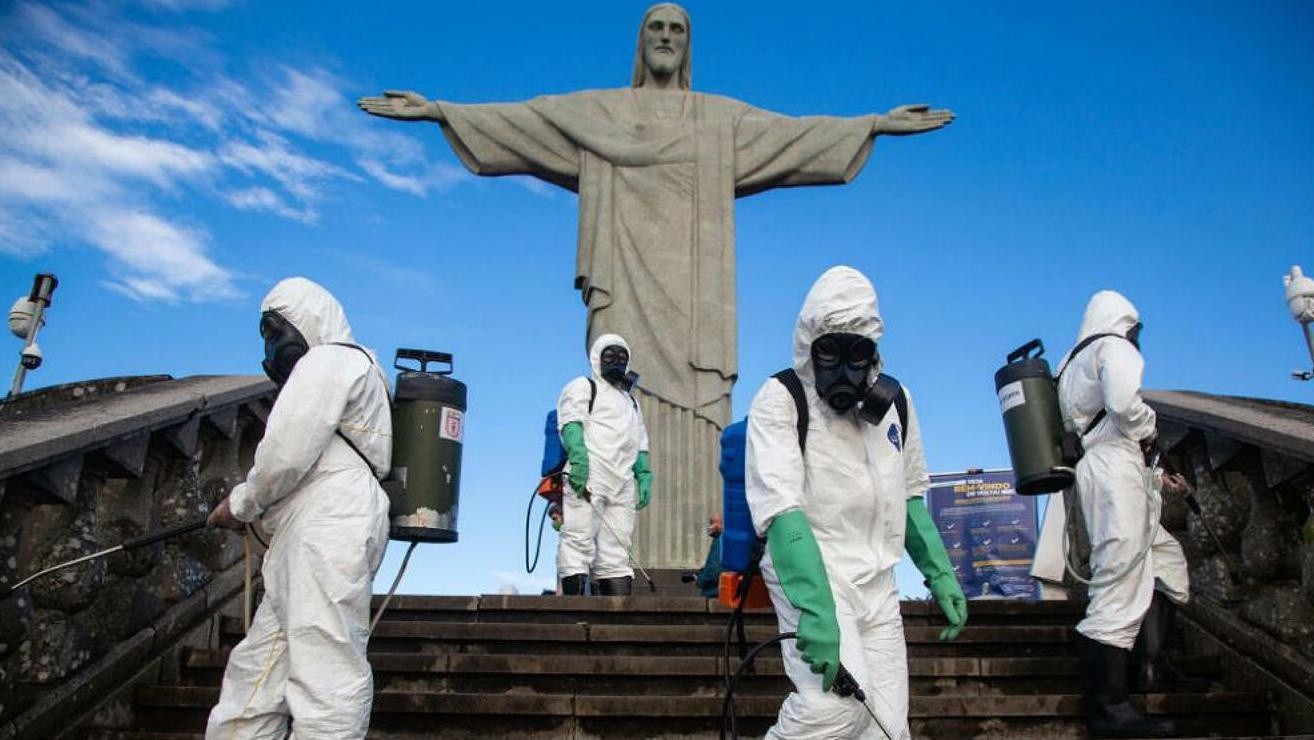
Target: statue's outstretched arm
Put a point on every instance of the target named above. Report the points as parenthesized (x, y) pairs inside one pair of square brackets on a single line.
[(911, 119), (402, 105)]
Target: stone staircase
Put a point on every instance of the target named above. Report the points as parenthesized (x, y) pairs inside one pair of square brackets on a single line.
[(133, 646), (648, 666)]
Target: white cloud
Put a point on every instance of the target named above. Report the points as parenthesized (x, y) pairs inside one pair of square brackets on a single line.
[(43, 24), (181, 6), (21, 235), (305, 102), (83, 146), (93, 149), (438, 177), (165, 261), (404, 183), (76, 178), (23, 181), (311, 104), (272, 156), (266, 200)]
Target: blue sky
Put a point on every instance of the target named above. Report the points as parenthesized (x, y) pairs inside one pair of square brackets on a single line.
[(171, 159)]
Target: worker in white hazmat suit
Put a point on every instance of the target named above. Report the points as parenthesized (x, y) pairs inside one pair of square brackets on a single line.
[(1100, 398), (837, 510), (314, 489), (608, 475)]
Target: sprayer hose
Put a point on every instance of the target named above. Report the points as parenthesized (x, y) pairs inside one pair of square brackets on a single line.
[(538, 550), (1151, 531)]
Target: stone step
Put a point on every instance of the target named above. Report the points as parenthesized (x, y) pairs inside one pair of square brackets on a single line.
[(474, 673), (666, 639), (402, 713), (681, 610)]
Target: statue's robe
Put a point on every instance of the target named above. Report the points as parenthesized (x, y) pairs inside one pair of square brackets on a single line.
[(657, 173)]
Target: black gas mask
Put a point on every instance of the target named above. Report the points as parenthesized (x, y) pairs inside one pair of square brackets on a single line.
[(613, 363), (284, 346), (841, 364), (1134, 335)]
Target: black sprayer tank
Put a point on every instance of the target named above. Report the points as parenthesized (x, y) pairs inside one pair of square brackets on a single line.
[(1028, 400), (428, 423)]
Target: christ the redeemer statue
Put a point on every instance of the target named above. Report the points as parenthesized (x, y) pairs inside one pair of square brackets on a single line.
[(657, 168)]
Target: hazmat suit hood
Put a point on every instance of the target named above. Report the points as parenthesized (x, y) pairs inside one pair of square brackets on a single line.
[(595, 353), (309, 307), (842, 300), (1108, 312)]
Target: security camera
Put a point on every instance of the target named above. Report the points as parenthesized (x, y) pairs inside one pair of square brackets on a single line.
[(1299, 294), (1300, 302), (32, 356), (20, 316)]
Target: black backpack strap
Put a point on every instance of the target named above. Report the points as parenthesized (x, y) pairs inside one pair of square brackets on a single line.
[(1094, 422), (789, 379), (1083, 344), (593, 396), (338, 431), (356, 449), (901, 407)]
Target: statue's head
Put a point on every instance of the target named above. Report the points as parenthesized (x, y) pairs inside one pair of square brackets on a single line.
[(663, 45)]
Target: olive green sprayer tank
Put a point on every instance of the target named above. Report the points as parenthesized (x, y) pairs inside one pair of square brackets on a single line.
[(428, 428), (1028, 400)]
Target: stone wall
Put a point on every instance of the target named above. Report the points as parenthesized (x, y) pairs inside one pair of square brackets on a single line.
[(1252, 466), (83, 469)]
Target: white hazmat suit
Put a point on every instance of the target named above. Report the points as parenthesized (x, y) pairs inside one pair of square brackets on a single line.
[(1119, 494), (304, 655), (853, 485), (614, 435)]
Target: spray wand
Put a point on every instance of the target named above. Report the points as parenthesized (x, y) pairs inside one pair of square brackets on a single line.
[(127, 545), (1193, 504), (628, 550)]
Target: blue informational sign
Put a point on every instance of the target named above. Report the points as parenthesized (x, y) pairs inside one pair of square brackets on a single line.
[(989, 530)]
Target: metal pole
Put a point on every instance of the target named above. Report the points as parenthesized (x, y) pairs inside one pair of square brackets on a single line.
[(1309, 340)]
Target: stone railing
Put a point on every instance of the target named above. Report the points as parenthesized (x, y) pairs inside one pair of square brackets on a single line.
[(1251, 463), (82, 468)]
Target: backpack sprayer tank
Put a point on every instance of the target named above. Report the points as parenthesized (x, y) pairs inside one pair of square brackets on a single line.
[(738, 538), (1028, 400), (740, 549), (428, 422)]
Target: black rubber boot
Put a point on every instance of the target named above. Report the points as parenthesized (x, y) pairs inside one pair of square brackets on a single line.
[(615, 586), (574, 585), (1152, 670), (1109, 712)]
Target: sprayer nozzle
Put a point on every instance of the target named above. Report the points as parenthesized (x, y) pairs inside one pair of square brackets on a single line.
[(846, 685)]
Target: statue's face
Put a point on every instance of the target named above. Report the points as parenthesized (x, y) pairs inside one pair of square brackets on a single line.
[(665, 40)]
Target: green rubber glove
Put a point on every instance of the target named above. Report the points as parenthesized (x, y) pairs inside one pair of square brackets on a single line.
[(643, 479), (802, 574), (928, 554), (572, 437)]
